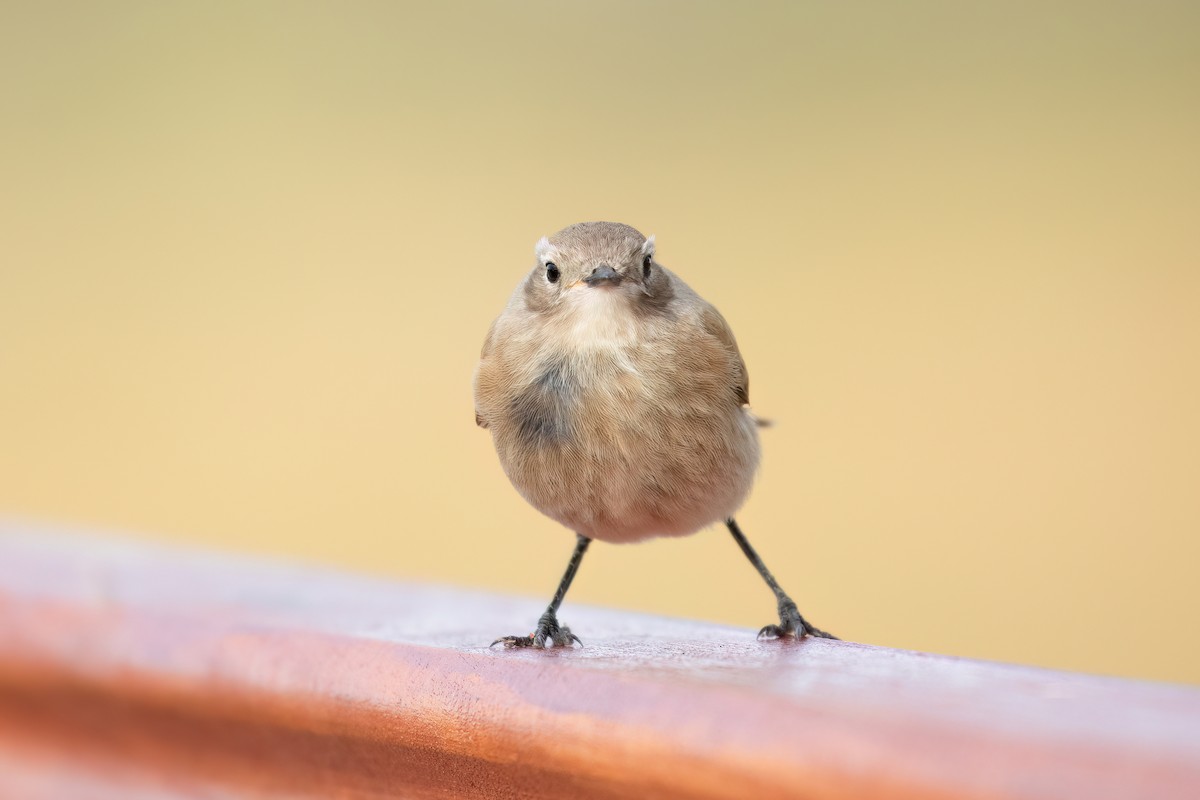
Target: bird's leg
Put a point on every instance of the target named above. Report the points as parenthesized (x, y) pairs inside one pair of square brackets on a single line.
[(548, 629), (790, 621)]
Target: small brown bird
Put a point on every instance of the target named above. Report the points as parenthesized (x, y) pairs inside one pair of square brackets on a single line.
[(618, 403)]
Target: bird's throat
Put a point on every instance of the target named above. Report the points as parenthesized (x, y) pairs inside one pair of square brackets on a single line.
[(600, 318)]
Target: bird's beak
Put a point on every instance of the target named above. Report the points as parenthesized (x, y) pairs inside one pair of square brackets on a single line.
[(603, 275)]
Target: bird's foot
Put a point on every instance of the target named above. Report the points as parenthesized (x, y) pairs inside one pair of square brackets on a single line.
[(548, 633), (792, 624)]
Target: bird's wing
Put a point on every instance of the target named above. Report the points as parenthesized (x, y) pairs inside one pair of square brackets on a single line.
[(716, 325), (487, 340), (483, 354)]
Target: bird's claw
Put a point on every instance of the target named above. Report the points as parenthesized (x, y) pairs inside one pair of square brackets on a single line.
[(792, 625), (772, 632), (548, 632), (514, 641)]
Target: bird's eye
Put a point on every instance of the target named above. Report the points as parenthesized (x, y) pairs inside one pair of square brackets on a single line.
[(646, 266), (551, 272)]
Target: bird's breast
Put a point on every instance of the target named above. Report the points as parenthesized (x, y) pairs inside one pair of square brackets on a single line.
[(572, 396), (542, 410), (623, 443)]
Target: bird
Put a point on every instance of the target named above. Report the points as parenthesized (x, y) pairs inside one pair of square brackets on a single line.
[(618, 404)]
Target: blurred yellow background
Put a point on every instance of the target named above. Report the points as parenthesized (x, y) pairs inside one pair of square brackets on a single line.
[(249, 251)]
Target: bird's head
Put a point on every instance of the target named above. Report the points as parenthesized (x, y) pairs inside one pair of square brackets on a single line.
[(594, 265)]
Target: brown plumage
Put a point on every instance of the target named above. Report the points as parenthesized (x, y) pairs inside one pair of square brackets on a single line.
[(617, 409), (616, 397)]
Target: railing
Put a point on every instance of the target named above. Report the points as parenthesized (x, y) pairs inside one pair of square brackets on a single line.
[(129, 671)]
